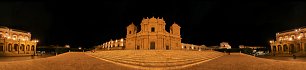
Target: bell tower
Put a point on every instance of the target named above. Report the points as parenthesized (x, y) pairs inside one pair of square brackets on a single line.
[(175, 29), (131, 30)]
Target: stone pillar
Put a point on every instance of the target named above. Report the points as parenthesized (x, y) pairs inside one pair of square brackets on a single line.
[(304, 45), (282, 49), (276, 49), (35, 48), (271, 48), (25, 48), (5, 47)]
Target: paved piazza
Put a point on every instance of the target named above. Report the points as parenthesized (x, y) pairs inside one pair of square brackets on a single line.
[(152, 59), (157, 59)]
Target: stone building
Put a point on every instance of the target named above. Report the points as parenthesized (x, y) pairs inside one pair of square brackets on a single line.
[(186, 46), (251, 47), (225, 45), (153, 36), (291, 41), (15, 42), (118, 44)]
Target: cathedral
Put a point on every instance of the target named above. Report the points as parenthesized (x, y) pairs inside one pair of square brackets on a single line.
[(153, 36)]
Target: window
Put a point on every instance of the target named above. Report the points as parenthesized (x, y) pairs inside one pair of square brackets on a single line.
[(286, 37), (280, 38), (20, 37), (1, 34), (152, 29), (14, 37), (130, 32), (292, 36), (26, 38)]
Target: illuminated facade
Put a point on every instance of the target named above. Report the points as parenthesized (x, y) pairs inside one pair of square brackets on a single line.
[(112, 45), (186, 46), (153, 35), (16, 42), (292, 41), (252, 47), (225, 45)]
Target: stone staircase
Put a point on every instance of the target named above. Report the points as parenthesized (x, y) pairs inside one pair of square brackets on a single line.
[(157, 58)]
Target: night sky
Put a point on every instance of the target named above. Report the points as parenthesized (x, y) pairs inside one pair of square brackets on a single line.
[(87, 24)]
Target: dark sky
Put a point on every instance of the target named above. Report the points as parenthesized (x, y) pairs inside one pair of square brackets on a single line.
[(87, 24)]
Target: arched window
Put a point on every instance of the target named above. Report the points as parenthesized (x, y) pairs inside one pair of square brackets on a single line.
[(6, 34), (26, 38), (14, 37), (20, 37), (286, 38), (280, 38), (1, 35), (292, 37)]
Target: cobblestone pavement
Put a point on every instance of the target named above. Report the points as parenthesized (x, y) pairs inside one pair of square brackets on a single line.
[(66, 61), (238, 61), (156, 59), (286, 58), (81, 61)]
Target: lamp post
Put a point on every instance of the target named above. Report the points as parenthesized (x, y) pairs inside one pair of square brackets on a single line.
[(34, 50), (272, 48), (67, 46)]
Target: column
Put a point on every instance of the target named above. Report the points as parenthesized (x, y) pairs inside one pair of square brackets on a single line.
[(35, 48), (282, 47), (271, 48), (276, 49)]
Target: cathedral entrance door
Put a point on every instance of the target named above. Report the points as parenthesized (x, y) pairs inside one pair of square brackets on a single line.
[(152, 45), (167, 47), (137, 47)]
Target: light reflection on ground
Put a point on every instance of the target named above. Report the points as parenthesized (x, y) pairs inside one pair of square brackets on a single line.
[(285, 58), (19, 58)]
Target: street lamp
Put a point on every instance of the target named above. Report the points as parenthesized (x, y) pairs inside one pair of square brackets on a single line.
[(67, 46), (271, 41), (35, 41)]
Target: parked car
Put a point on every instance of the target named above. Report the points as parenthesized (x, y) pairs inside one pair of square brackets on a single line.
[(260, 53)]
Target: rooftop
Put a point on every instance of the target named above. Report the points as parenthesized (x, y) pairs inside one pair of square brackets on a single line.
[(14, 29), (304, 27)]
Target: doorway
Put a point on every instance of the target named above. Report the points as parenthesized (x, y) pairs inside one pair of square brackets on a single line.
[(152, 45)]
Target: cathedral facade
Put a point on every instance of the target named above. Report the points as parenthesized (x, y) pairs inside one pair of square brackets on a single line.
[(153, 36)]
